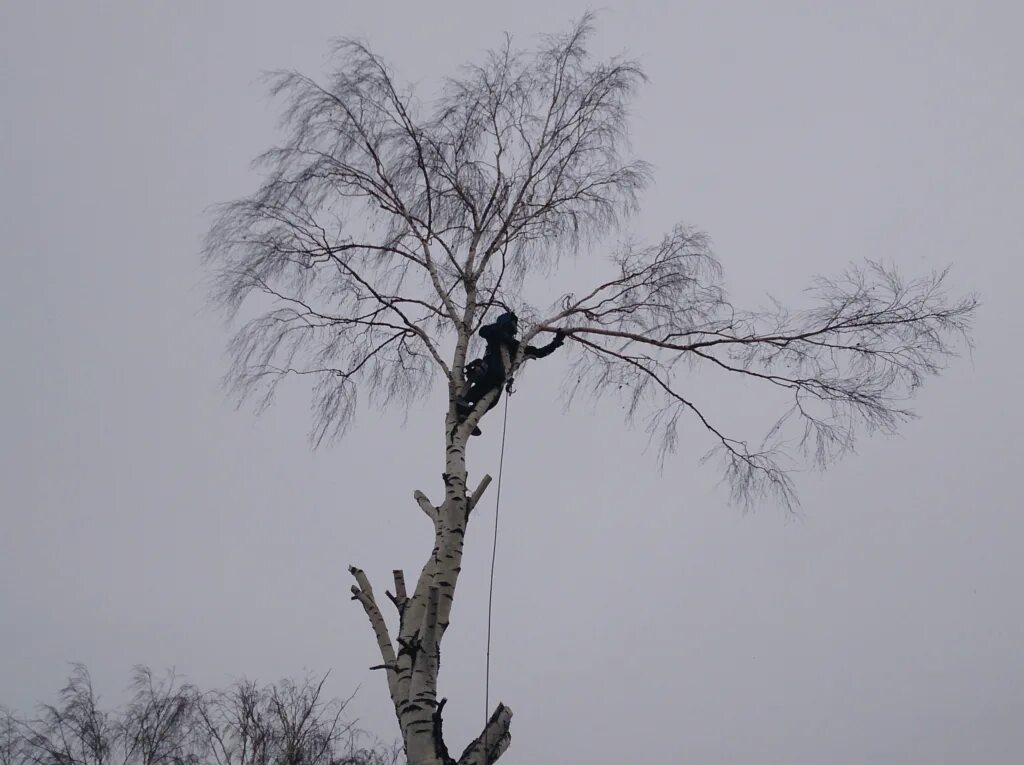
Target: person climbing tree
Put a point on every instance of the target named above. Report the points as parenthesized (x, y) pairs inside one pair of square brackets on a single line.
[(491, 372)]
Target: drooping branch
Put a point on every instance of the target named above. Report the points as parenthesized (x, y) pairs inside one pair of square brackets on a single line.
[(850, 362), (748, 471)]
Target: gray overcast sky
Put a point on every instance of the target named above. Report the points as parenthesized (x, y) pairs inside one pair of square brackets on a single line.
[(144, 520)]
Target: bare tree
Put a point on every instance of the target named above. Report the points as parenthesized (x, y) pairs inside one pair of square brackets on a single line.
[(75, 731), (11, 739), (285, 724), (388, 229), (165, 722)]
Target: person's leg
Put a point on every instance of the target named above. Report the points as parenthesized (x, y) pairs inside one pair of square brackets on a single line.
[(471, 397), (475, 371), (479, 389)]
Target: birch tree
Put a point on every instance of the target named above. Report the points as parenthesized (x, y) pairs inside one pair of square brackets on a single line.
[(389, 227)]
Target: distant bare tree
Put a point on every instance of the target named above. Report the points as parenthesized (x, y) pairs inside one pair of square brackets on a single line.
[(388, 230), (75, 731), (285, 724), (168, 723), (11, 739)]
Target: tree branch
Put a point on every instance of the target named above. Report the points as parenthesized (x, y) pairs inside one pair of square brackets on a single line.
[(425, 505), (486, 748), (362, 592), (478, 494)]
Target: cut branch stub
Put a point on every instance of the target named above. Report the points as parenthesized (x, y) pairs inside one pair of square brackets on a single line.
[(400, 598), (486, 748), (480, 489), (425, 505)]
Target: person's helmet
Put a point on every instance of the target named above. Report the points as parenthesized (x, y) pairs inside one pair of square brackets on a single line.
[(509, 322)]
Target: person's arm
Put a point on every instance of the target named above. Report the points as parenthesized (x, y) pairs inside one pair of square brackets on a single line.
[(545, 350)]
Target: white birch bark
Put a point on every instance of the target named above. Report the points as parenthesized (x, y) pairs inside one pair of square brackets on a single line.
[(411, 660)]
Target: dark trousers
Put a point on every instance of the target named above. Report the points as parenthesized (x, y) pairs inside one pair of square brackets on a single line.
[(487, 382)]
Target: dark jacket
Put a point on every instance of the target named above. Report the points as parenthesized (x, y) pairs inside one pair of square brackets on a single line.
[(501, 336)]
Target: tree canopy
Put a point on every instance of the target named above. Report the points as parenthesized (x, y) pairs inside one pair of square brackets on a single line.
[(389, 225)]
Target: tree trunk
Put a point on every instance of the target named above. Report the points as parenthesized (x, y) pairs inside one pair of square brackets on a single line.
[(412, 661)]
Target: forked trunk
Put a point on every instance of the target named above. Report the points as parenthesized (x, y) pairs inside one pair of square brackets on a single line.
[(412, 661)]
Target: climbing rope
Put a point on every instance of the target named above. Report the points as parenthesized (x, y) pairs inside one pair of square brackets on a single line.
[(494, 553)]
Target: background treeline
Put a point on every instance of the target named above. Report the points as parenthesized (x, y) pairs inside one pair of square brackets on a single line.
[(168, 722)]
